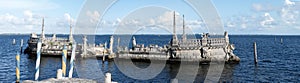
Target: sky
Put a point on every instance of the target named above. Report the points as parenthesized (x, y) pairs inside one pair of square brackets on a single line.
[(271, 17)]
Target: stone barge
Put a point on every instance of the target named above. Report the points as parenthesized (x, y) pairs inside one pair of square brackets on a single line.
[(53, 46), (205, 49)]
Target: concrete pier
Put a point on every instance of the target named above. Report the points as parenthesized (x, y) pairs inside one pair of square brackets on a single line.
[(64, 80)]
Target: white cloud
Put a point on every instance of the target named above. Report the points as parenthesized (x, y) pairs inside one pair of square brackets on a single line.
[(167, 18), (28, 4), (118, 20), (288, 14), (288, 2), (68, 18), (262, 7), (164, 20), (93, 16), (268, 21), (230, 24), (27, 19), (28, 14), (243, 25), (22, 23), (9, 19)]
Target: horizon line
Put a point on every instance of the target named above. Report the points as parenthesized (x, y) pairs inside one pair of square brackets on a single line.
[(136, 34)]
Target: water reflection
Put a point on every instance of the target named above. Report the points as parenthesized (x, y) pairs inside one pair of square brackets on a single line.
[(171, 70)]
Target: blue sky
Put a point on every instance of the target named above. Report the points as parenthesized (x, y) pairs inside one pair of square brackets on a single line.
[(279, 17)]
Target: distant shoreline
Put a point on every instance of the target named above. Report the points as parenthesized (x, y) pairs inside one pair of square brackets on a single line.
[(156, 34)]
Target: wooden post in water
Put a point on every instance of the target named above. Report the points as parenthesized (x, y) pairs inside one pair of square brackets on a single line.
[(21, 46), (38, 60), (281, 41), (111, 43), (255, 53), (84, 46), (18, 68), (118, 44), (64, 60), (72, 60), (103, 56), (14, 42)]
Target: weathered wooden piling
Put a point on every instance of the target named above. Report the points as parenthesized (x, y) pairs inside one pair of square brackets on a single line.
[(103, 56), (84, 46), (21, 48), (18, 68), (255, 53), (64, 60), (38, 60), (72, 60), (118, 43), (14, 42), (111, 43), (281, 41)]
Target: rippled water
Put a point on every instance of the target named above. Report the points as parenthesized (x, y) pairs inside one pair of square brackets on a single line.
[(277, 62)]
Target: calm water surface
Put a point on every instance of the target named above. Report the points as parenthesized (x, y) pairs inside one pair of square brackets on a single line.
[(277, 62)]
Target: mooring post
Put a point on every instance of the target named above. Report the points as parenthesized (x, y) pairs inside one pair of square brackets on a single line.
[(103, 57), (107, 78), (64, 60), (21, 46), (72, 60), (38, 60), (255, 53), (18, 68), (174, 80), (111, 43), (14, 42), (118, 44), (59, 74)]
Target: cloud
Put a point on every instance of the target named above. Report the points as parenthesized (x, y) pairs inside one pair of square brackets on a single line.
[(27, 4), (288, 2), (28, 14), (249, 23), (262, 7), (167, 18), (68, 18), (230, 24), (289, 15), (27, 19), (24, 23), (268, 21), (9, 19), (65, 21), (266, 17), (163, 20), (93, 16)]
